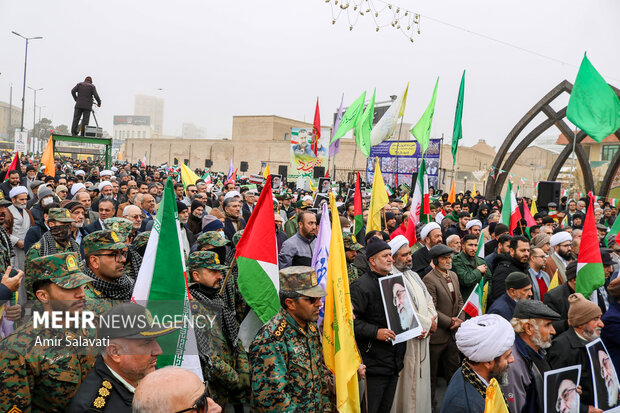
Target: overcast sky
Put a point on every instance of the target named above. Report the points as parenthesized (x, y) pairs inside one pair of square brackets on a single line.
[(213, 60)]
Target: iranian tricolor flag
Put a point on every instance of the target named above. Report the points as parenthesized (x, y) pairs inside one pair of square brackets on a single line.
[(473, 305), (480, 250), (257, 258), (161, 286), (357, 205), (590, 271), (419, 204), (510, 210)]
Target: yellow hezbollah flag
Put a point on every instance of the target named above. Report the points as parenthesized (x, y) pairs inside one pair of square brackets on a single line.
[(339, 348), (47, 158), (494, 402), (473, 191), (533, 209), (378, 199), (554, 281), (188, 176), (266, 172)]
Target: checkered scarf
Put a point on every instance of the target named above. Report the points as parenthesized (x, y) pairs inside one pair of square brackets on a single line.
[(210, 298), (118, 290)]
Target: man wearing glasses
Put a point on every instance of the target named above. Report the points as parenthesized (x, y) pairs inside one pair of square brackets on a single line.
[(105, 264), (540, 279), (286, 357)]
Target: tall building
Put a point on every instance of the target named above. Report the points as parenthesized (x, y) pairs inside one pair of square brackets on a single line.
[(15, 117), (153, 107)]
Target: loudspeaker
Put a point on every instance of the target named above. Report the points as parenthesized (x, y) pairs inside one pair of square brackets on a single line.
[(319, 172), (243, 166), (548, 191), (176, 161), (208, 163), (186, 161), (283, 170)]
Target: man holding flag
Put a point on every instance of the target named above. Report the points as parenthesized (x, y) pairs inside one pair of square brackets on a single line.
[(288, 371)]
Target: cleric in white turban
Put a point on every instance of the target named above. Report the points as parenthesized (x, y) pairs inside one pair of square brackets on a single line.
[(486, 341)]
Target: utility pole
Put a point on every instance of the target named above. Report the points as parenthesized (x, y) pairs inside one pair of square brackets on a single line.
[(25, 66), (10, 110)]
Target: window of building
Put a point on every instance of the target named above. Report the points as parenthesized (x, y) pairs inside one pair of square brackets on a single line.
[(608, 152), (286, 136)]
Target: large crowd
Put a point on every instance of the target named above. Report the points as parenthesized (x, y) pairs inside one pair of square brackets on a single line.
[(76, 241)]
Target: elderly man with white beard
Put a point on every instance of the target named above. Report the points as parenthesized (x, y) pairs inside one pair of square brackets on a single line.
[(532, 323), (486, 342), (569, 348), (412, 393)]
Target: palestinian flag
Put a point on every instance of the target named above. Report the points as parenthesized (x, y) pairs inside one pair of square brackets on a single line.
[(590, 272), (615, 229), (473, 305), (510, 210), (14, 166), (358, 210), (161, 286), (257, 258)]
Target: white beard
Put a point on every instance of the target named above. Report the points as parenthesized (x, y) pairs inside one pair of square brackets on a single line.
[(612, 393), (406, 317), (574, 406)]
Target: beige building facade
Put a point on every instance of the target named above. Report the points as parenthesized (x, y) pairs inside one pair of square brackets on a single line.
[(258, 139), (15, 116)]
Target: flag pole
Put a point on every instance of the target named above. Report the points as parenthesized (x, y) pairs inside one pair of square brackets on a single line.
[(232, 265), (572, 162)]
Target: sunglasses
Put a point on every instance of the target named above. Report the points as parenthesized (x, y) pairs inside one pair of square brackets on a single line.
[(311, 300), (201, 403)]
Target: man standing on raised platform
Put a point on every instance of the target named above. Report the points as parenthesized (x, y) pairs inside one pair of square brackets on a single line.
[(83, 94)]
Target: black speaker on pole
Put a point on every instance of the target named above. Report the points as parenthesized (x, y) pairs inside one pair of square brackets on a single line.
[(283, 170), (319, 172), (244, 166), (548, 191), (208, 163)]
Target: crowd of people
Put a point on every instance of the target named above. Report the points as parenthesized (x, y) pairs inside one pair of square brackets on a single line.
[(76, 241)]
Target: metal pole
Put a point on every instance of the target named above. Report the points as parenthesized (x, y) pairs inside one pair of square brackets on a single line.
[(572, 163), (10, 111), (24, 86), (34, 113)]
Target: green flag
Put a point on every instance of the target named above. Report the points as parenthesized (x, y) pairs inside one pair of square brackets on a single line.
[(593, 105), (350, 117), (422, 130), (457, 132), (364, 127)]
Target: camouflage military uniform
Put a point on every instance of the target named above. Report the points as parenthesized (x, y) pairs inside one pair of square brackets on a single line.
[(124, 228), (288, 371), (211, 238), (102, 295), (37, 374), (290, 226), (38, 249), (228, 358), (351, 244)]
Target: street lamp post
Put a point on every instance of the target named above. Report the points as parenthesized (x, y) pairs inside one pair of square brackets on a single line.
[(34, 117), (25, 66)]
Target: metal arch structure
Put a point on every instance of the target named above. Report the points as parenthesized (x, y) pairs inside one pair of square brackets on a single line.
[(543, 106)]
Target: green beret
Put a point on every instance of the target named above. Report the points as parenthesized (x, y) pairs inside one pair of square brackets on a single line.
[(103, 240), (62, 269)]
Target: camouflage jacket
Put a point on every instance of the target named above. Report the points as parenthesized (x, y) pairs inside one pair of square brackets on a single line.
[(290, 227), (352, 271), (39, 371), (35, 252), (288, 372), (96, 301), (226, 363)]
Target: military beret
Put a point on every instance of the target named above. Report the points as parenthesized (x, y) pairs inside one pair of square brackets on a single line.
[(61, 269), (350, 242), (205, 259), (302, 280), (517, 280), (59, 215), (103, 240), (122, 226), (534, 309), (211, 238), (301, 205)]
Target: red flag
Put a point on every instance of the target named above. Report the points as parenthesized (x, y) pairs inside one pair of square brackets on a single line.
[(327, 173), (316, 129), (13, 167), (357, 207), (410, 230), (529, 219), (232, 179)]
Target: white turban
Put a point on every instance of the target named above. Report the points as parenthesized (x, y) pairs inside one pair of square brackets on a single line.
[(397, 243), (17, 191), (114, 169), (428, 228), (75, 188), (560, 237), (230, 194), (104, 184), (106, 173), (485, 337), (80, 172), (473, 223), (307, 198)]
